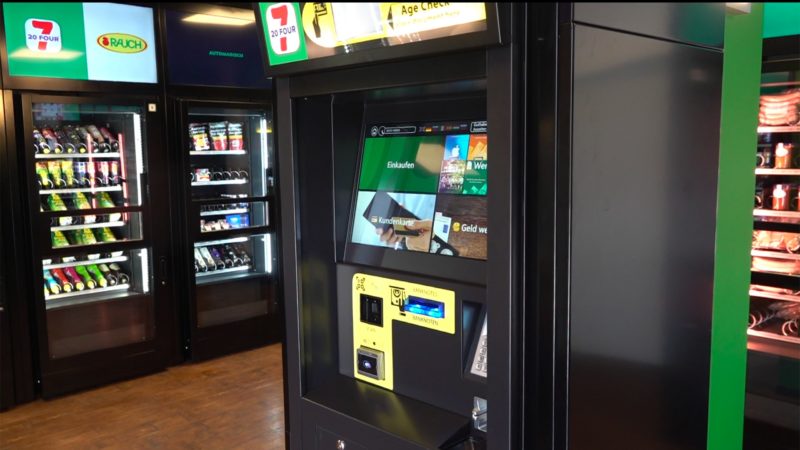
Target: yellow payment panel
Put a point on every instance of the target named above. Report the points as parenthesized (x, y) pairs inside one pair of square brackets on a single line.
[(377, 302)]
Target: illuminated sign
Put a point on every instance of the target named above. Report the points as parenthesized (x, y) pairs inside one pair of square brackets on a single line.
[(304, 31), (81, 41)]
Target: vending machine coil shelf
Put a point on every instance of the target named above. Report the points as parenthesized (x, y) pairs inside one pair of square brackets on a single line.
[(83, 190), (109, 260), (774, 344), (217, 152), (778, 172), (89, 225), (779, 129), (115, 155), (771, 213), (219, 182), (779, 255), (87, 296), (224, 212), (775, 296)]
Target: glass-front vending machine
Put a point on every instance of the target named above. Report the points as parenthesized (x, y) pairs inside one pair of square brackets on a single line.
[(222, 157), (87, 139)]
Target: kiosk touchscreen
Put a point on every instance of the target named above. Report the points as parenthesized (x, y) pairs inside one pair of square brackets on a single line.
[(420, 191)]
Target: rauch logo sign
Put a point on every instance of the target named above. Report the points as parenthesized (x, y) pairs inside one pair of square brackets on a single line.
[(122, 43)]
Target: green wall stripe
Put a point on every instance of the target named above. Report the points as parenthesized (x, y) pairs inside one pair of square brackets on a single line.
[(740, 91)]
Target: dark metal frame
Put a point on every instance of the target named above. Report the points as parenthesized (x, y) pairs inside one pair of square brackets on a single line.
[(209, 342), (491, 36)]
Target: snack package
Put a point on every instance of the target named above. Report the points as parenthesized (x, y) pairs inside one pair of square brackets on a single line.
[(199, 136), (235, 136), (219, 135)]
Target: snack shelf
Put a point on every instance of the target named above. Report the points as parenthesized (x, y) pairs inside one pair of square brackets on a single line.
[(217, 152), (114, 155), (781, 83), (85, 296), (88, 225), (784, 172), (224, 212), (221, 241), (779, 129), (773, 336), (773, 213), (774, 296), (217, 278), (219, 182), (223, 271), (771, 254), (85, 263), (77, 190), (770, 343)]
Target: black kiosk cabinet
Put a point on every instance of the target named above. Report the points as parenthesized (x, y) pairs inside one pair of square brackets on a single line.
[(454, 171)]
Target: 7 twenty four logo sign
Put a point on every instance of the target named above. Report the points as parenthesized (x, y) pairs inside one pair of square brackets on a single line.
[(284, 32), (122, 43), (43, 35)]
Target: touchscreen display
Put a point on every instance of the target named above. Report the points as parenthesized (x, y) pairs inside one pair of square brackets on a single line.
[(422, 188)]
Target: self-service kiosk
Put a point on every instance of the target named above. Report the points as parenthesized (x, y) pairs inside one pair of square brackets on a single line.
[(448, 171)]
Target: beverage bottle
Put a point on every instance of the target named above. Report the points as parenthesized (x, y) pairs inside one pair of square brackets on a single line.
[(51, 283), (783, 158), (199, 262), (97, 275), (102, 144), (54, 167), (242, 254), (237, 261), (75, 139), (46, 291), (220, 256), (104, 201), (40, 143), (122, 277), (108, 275), (91, 145), (112, 141), (62, 279), (68, 171), (58, 239), (87, 279), (44, 176), (105, 235), (74, 278), (63, 139), (55, 203), (52, 141)]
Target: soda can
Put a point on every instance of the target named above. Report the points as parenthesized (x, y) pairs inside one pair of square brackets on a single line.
[(68, 171), (115, 179), (80, 174), (101, 176)]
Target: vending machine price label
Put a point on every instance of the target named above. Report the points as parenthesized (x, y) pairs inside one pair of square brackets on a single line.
[(81, 41)]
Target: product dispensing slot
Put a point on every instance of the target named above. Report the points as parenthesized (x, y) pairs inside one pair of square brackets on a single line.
[(423, 307)]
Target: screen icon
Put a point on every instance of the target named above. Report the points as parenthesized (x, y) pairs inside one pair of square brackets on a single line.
[(43, 35)]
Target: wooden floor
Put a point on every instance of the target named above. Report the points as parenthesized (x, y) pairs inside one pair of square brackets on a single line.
[(234, 402)]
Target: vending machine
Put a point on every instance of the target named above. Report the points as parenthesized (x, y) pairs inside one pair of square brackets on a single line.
[(86, 133), (221, 121), (484, 208)]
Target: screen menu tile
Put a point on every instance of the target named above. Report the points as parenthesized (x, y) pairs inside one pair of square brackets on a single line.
[(422, 187)]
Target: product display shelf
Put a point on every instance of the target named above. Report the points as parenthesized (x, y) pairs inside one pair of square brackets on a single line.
[(773, 213), (217, 152), (216, 277), (88, 225), (779, 129), (774, 296), (114, 155), (219, 182), (221, 241), (77, 190), (86, 296), (773, 344), (224, 212), (116, 259), (774, 254), (778, 172), (223, 271)]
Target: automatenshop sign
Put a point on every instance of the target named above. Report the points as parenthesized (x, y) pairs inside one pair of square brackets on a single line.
[(81, 41)]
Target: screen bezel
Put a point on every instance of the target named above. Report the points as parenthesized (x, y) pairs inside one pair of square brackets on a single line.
[(467, 270), (490, 36)]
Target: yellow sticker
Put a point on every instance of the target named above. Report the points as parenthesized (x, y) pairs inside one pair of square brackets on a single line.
[(377, 302)]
